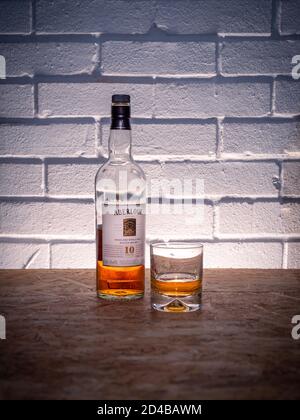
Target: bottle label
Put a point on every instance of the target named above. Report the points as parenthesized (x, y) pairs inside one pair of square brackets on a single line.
[(123, 235)]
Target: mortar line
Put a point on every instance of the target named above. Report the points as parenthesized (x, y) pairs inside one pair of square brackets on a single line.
[(53, 239), (216, 219), (276, 19), (44, 178), (84, 159), (50, 254), (209, 198), (281, 180), (273, 97), (98, 139), (285, 254), (219, 135), (33, 18), (98, 63), (219, 46), (66, 119), (164, 37), (87, 77)]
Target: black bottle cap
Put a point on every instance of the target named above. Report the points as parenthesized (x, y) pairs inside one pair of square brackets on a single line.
[(121, 99), (120, 112)]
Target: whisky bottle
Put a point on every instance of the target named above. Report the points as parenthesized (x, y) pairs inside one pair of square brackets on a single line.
[(120, 198)]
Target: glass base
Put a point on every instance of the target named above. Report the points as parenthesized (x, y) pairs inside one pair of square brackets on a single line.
[(176, 305), (118, 295)]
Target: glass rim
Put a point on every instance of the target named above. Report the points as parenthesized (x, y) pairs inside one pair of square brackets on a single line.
[(177, 244)]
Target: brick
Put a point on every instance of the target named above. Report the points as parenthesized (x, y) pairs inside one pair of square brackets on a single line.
[(155, 58), (47, 139), (259, 217), (291, 178), (294, 255), (220, 179), (48, 58), (258, 57), (290, 14), (16, 101), (108, 16), (20, 179), (208, 98), (23, 255), (181, 225), (287, 96), (261, 137), (76, 255), (72, 179), (242, 255), (214, 16), (15, 16), (167, 138), (53, 218), (92, 98), (239, 255)]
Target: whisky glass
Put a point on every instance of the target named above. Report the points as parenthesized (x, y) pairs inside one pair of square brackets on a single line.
[(176, 276)]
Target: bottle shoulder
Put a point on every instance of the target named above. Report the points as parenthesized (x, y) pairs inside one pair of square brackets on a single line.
[(101, 169), (139, 170), (112, 168)]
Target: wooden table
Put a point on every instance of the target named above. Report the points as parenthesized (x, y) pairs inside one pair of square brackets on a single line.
[(62, 342)]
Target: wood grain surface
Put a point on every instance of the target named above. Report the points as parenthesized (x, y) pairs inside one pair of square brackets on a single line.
[(64, 343)]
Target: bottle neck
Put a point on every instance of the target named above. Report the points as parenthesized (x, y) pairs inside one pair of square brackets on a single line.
[(120, 144)]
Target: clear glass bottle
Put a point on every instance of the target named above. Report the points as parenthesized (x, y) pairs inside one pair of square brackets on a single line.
[(120, 198)]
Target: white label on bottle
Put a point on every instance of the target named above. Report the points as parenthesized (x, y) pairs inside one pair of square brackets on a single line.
[(123, 235)]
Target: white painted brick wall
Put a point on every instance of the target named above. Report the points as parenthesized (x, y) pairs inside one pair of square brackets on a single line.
[(212, 98), (290, 11), (91, 99), (27, 178), (201, 98), (15, 16), (24, 255), (158, 58), (261, 137), (16, 100), (71, 178), (166, 138), (236, 178), (214, 16), (258, 57), (73, 255), (51, 139), (287, 96), (243, 254), (291, 174), (46, 218), (48, 58), (259, 218), (167, 225), (89, 16), (293, 254)]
